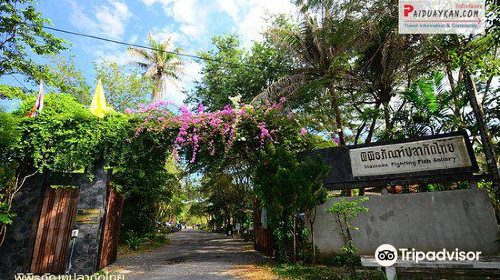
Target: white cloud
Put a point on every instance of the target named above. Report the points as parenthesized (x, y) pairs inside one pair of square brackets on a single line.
[(175, 91), (231, 7), (184, 11), (151, 2), (191, 30), (133, 39), (190, 15), (165, 33), (120, 57), (253, 23), (108, 19)]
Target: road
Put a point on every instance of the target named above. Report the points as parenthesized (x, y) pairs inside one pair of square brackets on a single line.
[(194, 255)]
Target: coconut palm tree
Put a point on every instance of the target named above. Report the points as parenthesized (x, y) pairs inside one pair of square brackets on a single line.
[(320, 45), (159, 64)]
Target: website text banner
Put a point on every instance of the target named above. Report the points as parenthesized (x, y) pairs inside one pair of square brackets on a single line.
[(442, 17), (419, 156)]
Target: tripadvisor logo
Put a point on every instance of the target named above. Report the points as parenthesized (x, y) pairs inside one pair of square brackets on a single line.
[(387, 255)]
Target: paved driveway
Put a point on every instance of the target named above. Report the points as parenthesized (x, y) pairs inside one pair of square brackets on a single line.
[(193, 255)]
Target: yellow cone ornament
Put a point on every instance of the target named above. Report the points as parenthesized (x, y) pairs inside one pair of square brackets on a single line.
[(98, 106)]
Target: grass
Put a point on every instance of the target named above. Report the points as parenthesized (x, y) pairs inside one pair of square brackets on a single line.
[(147, 243), (323, 272), (334, 272)]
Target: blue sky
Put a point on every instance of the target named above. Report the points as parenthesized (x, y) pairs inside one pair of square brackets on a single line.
[(189, 23)]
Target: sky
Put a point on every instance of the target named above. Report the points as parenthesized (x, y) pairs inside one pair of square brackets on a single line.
[(190, 24)]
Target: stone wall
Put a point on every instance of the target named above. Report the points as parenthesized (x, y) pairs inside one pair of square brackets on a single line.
[(17, 250), (462, 219), (92, 196)]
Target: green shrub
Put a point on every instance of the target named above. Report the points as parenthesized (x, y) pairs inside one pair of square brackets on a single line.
[(134, 242)]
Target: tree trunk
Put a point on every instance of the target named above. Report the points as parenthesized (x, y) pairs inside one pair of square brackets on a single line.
[(312, 219), (483, 129), (157, 89), (372, 126), (387, 117), (338, 115), (294, 238)]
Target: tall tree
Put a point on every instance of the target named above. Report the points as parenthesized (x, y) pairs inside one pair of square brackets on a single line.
[(68, 79), (159, 64), (124, 88), (22, 33), (230, 70), (321, 47)]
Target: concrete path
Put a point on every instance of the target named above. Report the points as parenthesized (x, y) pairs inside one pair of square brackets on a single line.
[(194, 255)]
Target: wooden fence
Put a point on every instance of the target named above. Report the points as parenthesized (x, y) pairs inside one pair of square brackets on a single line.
[(50, 252), (57, 219)]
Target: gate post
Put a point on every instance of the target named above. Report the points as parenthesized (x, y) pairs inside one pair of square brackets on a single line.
[(92, 197)]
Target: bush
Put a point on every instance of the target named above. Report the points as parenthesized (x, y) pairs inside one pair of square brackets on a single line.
[(134, 242)]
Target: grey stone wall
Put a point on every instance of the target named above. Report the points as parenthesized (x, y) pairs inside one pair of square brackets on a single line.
[(16, 252), (93, 195), (462, 219)]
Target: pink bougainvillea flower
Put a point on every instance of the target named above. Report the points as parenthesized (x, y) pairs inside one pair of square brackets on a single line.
[(200, 108), (303, 131), (336, 140), (185, 111)]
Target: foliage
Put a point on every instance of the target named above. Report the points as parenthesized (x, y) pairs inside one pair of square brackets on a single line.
[(159, 65), (11, 92), (345, 212), (427, 109), (124, 88), (319, 272), (228, 197), (66, 78), (134, 242), (67, 137), (286, 187), (22, 33), (230, 70)]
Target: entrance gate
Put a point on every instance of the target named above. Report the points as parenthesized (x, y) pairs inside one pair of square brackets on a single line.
[(50, 253), (111, 233)]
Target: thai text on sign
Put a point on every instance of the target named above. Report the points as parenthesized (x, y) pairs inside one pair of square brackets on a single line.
[(418, 156)]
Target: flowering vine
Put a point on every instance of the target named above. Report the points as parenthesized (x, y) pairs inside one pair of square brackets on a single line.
[(210, 132)]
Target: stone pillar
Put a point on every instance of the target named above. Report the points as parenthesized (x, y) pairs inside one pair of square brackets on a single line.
[(17, 249), (93, 195)]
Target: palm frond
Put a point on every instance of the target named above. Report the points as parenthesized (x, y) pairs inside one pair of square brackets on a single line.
[(140, 53), (285, 86)]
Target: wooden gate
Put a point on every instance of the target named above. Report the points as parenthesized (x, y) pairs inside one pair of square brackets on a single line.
[(263, 239), (50, 254), (111, 232)]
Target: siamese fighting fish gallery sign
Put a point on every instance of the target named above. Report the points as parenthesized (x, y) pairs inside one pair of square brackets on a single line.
[(450, 152)]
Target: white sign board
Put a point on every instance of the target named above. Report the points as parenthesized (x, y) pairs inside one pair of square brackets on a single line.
[(442, 16), (424, 155)]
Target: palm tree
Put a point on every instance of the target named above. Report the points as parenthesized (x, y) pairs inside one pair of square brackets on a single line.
[(320, 45), (159, 64)]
